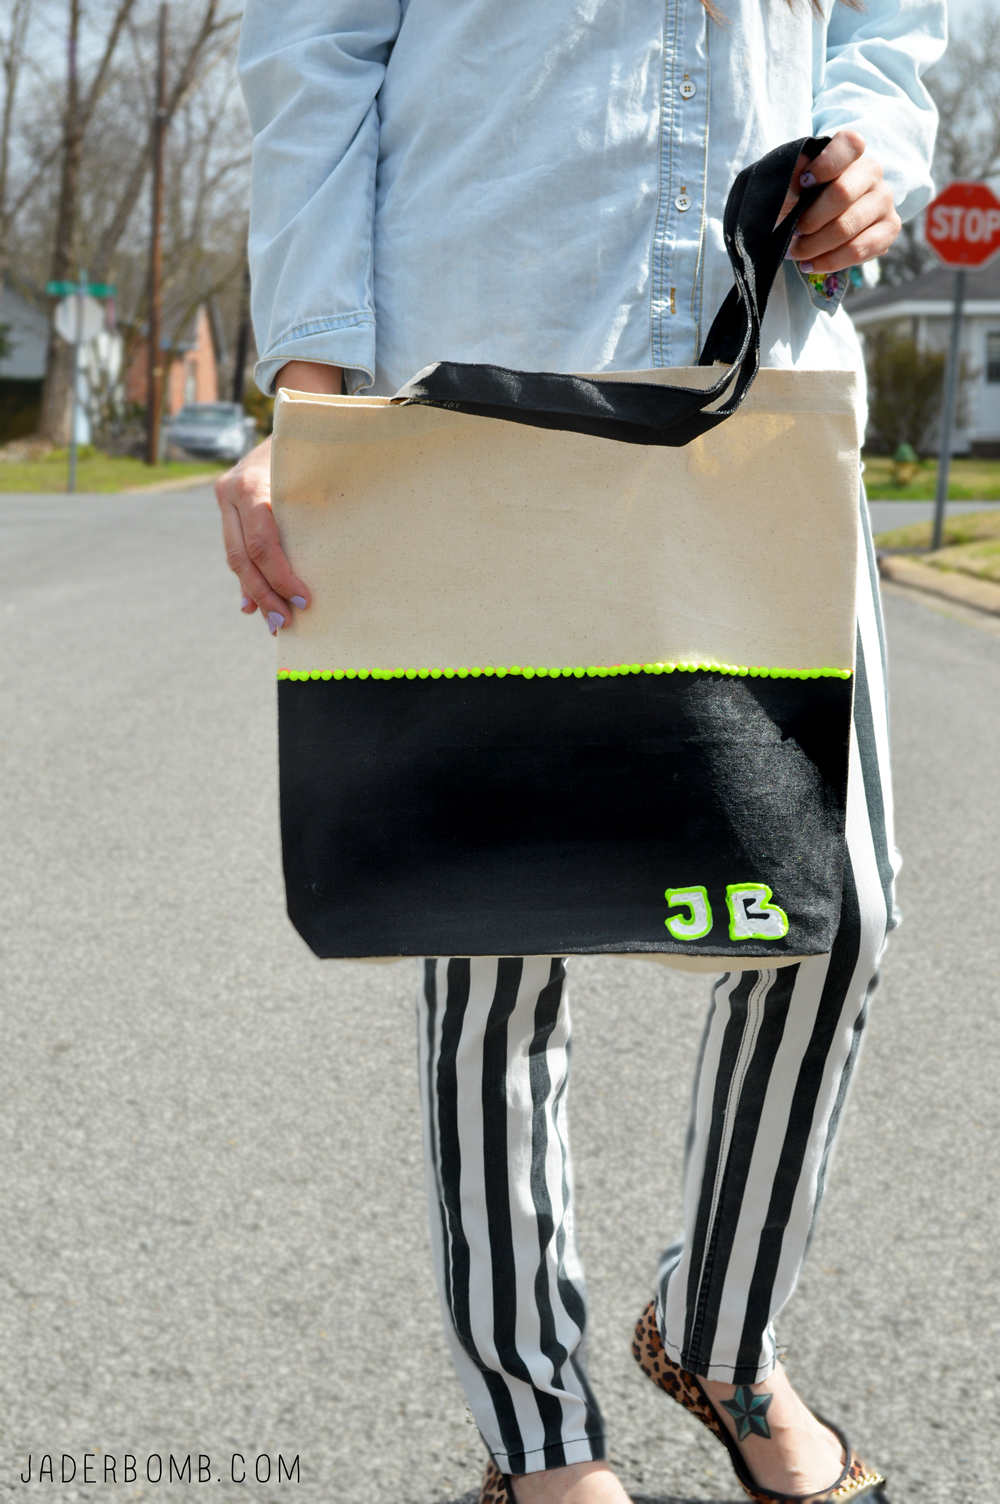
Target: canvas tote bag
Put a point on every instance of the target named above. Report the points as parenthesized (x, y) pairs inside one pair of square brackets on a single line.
[(578, 672)]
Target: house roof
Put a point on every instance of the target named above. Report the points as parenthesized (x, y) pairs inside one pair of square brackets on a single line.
[(931, 293)]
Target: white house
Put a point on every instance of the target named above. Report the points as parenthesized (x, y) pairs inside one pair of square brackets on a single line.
[(26, 333), (921, 310), (99, 367)]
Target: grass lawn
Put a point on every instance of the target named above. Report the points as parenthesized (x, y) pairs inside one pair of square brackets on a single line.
[(968, 480), (98, 472), (971, 543)]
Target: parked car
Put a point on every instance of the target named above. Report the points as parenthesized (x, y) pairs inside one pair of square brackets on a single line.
[(213, 430)]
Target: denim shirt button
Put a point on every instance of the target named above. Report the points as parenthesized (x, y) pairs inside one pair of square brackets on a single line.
[(683, 201), (688, 89)]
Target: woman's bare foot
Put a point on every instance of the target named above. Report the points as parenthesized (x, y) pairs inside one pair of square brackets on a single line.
[(580, 1483), (785, 1447)]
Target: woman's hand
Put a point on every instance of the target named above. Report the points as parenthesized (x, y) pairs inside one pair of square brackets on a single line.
[(249, 531), (250, 534), (853, 219)]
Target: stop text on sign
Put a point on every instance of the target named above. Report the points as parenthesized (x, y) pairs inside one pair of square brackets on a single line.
[(963, 224), (952, 222)]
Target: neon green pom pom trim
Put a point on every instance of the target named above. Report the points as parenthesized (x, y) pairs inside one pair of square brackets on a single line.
[(601, 671)]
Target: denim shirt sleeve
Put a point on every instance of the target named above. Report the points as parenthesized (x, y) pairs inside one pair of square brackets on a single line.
[(871, 83), (310, 72)]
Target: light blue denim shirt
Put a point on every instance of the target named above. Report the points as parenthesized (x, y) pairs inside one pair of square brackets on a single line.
[(542, 185)]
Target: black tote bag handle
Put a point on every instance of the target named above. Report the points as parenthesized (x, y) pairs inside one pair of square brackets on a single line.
[(644, 412)]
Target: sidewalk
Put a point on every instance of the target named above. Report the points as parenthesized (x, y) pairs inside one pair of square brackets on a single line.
[(904, 569)]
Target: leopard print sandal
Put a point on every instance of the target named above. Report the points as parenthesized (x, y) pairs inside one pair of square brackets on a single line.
[(496, 1487), (647, 1349)]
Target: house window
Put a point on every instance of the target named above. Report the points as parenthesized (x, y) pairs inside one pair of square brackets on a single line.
[(993, 355)]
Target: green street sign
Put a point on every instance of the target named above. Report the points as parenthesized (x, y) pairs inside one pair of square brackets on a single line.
[(94, 289)]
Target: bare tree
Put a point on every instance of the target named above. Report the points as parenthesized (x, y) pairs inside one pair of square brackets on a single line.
[(12, 48), (77, 114), (965, 86), (75, 158), (211, 42), (105, 161), (966, 90), (205, 210)]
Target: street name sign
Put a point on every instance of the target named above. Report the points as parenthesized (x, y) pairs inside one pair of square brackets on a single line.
[(962, 225), (93, 289)]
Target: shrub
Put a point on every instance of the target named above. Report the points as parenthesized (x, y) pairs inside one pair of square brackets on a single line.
[(906, 392)]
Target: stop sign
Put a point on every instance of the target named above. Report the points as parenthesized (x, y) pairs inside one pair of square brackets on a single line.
[(962, 224)]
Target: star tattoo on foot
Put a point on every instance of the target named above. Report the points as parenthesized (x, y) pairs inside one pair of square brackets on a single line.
[(749, 1411)]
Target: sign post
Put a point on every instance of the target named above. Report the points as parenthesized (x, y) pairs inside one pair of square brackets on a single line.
[(78, 311), (78, 319), (962, 227), (948, 415)]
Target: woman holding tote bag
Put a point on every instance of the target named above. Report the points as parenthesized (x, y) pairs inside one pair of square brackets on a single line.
[(542, 188)]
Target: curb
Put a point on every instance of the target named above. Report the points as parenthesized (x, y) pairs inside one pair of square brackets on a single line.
[(982, 595), (184, 483)]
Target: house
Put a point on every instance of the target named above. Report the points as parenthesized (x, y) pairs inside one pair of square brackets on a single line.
[(26, 332), (921, 310), (193, 355), (22, 371), (24, 326), (193, 361)]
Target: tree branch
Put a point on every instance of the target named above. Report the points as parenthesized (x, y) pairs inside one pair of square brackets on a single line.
[(11, 55), (100, 77), (211, 25)]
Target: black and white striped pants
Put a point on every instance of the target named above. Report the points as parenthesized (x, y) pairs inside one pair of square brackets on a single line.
[(775, 1065)]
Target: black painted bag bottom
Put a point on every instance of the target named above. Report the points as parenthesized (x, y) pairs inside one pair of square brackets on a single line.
[(487, 816)]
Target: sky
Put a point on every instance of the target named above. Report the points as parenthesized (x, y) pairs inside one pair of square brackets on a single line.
[(962, 12)]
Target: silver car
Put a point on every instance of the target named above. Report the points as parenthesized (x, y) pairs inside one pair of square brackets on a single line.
[(213, 430)]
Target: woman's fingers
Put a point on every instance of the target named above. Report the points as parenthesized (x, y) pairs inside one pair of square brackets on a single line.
[(864, 230), (843, 149), (253, 549), (255, 592), (839, 195), (853, 219)]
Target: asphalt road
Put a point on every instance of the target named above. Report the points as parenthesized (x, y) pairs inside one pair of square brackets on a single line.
[(212, 1230)]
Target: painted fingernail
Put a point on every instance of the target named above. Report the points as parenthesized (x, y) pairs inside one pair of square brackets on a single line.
[(806, 266), (807, 180), (275, 620), (788, 255), (244, 603), (298, 600)]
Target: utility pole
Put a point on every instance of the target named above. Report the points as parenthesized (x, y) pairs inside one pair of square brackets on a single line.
[(242, 339), (81, 294), (154, 388)]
